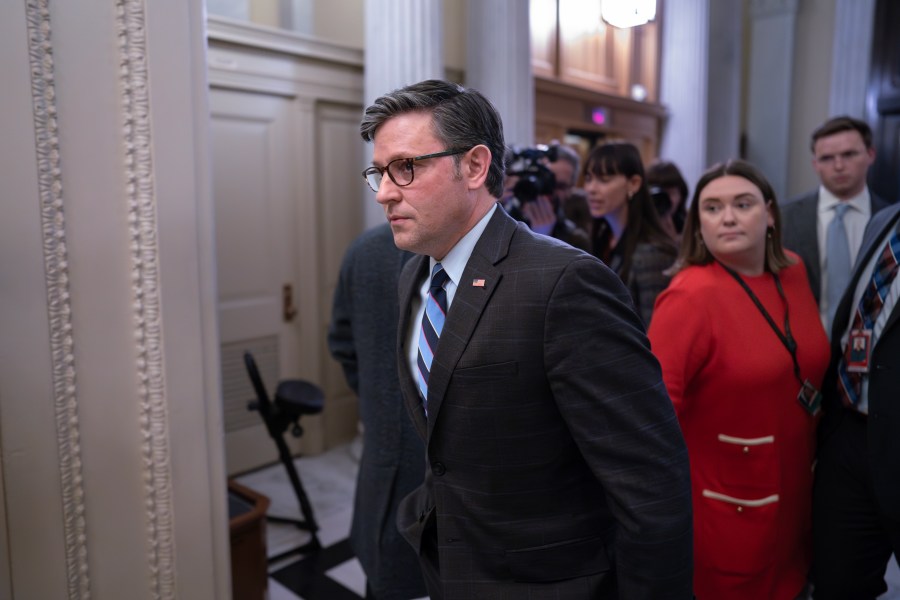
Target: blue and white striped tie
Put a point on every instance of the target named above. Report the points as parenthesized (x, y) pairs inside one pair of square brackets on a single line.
[(430, 331)]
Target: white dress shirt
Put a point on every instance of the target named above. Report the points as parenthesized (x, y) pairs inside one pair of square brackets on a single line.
[(855, 221), (454, 264)]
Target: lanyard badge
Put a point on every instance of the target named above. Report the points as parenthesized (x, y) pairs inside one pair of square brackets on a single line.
[(860, 345)]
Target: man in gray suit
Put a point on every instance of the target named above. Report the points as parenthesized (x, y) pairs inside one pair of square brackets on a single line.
[(555, 467), (842, 153), (362, 338)]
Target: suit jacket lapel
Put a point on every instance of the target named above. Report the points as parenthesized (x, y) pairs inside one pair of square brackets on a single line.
[(870, 245), (895, 313), (410, 280), (468, 304)]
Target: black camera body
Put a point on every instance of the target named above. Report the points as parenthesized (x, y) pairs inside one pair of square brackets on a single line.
[(661, 200), (535, 179)]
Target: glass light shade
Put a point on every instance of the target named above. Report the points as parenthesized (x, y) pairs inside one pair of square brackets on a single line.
[(628, 13)]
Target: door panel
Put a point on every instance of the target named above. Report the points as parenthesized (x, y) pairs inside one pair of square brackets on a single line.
[(254, 198)]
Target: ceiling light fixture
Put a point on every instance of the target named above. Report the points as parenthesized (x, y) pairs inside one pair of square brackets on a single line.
[(628, 13)]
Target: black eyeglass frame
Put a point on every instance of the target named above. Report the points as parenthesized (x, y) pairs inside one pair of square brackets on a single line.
[(412, 172)]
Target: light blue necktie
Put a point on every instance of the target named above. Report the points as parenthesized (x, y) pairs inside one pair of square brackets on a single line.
[(430, 331), (837, 260)]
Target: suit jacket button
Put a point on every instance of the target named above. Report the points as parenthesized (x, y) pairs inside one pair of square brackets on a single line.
[(438, 468)]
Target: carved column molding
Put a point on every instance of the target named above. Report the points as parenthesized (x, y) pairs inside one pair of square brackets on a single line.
[(56, 266), (110, 431), (143, 230)]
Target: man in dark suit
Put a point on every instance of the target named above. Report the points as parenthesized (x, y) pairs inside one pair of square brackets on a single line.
[(856, 499), (842, 153), (362, 337), (555, 467)]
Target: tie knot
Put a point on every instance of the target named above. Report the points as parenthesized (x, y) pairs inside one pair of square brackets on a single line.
[(840, 209), (438, 276)]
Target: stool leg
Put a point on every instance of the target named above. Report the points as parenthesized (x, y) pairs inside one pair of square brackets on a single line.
[(305, 505)]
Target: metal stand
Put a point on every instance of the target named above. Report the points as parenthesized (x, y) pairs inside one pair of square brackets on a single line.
[(293, 398)]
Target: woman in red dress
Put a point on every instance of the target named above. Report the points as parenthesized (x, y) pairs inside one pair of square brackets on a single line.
[(743, 352)]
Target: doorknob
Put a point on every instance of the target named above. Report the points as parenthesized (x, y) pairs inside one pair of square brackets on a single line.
[(288, 310)]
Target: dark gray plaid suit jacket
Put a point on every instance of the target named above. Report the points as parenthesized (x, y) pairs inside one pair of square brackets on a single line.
[(555, 464)]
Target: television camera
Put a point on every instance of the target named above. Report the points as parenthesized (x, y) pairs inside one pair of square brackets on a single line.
[(535, 179)]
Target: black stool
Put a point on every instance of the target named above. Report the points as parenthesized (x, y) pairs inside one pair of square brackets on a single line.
[(293, 399)]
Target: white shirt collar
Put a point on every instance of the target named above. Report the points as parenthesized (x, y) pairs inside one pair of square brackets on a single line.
[(859, 202), (455, 261)]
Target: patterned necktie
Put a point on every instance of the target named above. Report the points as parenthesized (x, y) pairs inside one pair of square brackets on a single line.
[(870, 305), (837, 259), (432, 324)]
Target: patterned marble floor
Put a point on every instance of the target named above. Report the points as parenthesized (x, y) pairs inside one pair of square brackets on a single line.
[(334, 573), (329, 480)]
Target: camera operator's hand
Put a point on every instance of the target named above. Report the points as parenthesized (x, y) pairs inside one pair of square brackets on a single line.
[(540, 214)]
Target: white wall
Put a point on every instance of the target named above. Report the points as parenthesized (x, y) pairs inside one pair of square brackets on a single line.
[(340, 21)]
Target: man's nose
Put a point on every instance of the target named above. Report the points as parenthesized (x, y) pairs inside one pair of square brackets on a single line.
[(387, 190)]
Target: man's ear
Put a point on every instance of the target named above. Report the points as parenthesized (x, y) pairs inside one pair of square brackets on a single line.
[(475, 166)]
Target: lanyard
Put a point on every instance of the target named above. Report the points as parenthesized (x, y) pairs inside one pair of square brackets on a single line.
[(786, 338)]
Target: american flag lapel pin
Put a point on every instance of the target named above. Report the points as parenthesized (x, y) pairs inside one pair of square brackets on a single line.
[(478, 283)]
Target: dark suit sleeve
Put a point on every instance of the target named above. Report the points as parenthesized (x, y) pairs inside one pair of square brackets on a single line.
[(609, 390), (340, 331)]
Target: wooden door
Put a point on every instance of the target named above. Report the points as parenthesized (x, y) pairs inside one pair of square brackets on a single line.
[(254, 197)]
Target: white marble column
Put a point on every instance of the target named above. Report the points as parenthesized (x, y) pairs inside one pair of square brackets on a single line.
[(683, 85), (113, 482), (404, 44), (723, 126), (498, 63), (851, 55), (769, 98)]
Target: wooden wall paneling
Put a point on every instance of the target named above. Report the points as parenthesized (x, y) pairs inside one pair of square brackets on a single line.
[(596, 65), (646, 59), (587, 48), (543, 17)]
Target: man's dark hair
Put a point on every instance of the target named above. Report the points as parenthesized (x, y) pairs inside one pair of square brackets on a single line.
[(839, 124), (461, 118)]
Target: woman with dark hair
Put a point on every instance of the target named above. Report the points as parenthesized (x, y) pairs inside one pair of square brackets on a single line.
[(666, 176), (743, 352), (626, 233)]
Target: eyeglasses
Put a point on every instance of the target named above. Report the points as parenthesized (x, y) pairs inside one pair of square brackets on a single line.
[(401, 170)]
